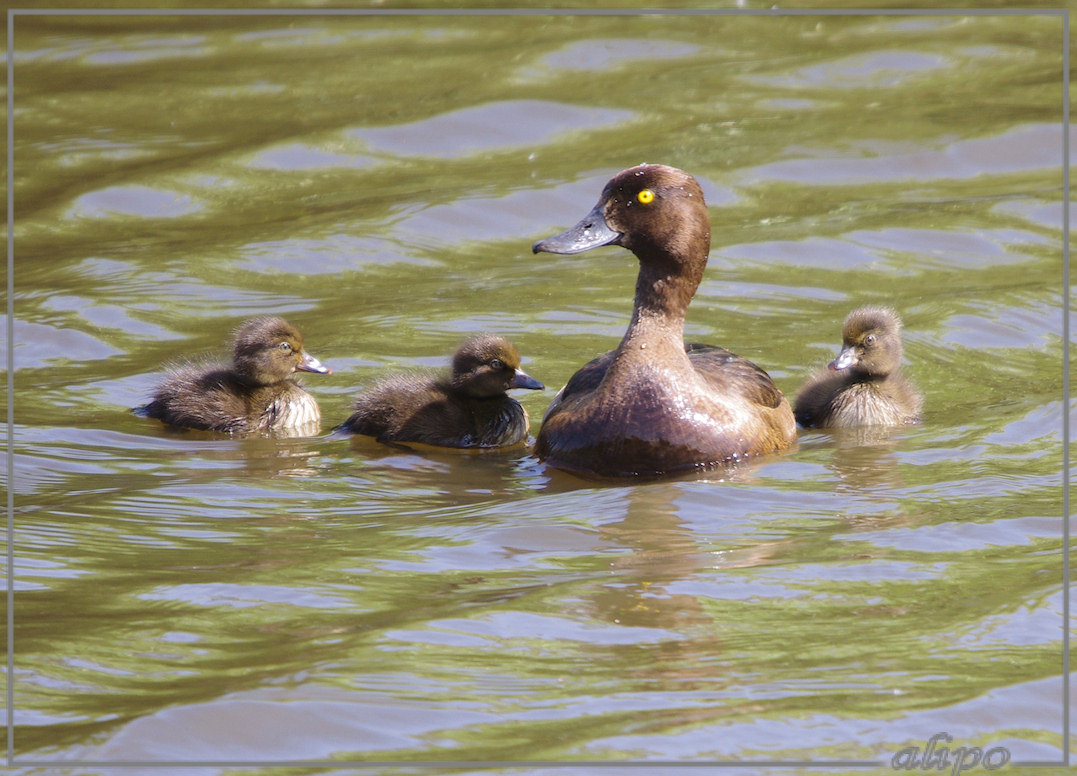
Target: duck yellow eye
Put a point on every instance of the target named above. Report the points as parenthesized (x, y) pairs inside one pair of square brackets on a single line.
[(645, 197)]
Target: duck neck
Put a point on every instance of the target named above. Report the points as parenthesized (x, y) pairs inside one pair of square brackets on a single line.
[(663, 292), (868, 378)]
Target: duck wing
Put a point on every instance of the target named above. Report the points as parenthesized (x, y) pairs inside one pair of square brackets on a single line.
[(586, 379), (193, 397), (727, 372), (731, 374)]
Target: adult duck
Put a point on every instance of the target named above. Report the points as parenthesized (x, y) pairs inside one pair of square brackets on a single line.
[(655, 405), (255, 393), (863, 386), (469, 408)]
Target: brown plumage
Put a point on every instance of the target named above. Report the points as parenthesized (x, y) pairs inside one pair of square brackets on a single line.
[(655, 405), (863, 385), (468, 408), (255, 393)]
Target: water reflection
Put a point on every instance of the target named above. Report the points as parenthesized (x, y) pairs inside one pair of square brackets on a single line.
[(866, 458), (488, 128), (1027, 147)]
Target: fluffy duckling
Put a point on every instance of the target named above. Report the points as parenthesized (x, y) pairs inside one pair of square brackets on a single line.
[(863, 386), (655, 405), (255, 393), (469, 408)]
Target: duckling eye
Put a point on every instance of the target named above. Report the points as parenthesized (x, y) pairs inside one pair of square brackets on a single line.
[(869, 340), (645, 197), (497, 363), (284, 346)]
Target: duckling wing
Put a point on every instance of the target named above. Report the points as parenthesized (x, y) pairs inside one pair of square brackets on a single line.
[(814, 402), (424, 409), (194, 397), (383, 410), (732, 374)]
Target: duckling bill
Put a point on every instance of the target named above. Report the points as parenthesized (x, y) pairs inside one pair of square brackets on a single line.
[(255, 393), (863, 386), (654, 405), (469, 408)]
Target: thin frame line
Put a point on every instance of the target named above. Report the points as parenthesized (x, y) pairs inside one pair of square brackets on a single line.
[(330, 12), (540, 12), (1065, 388), (10, 332), (492, 764), (461, 764)]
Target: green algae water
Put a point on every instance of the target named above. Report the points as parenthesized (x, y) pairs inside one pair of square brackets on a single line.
[(378, 180)]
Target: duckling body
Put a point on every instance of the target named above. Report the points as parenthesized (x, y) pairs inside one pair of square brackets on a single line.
[(255, 393), (469, 408), (863, 385), (654, 405)]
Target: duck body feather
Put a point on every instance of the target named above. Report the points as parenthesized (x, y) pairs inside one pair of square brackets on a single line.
[(403, 408), (831, 400), (218, 400), (706, 408)]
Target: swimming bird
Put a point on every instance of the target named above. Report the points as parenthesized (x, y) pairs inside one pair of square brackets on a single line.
[(654, 405), (255, 393), (468, 408), (863, 386)]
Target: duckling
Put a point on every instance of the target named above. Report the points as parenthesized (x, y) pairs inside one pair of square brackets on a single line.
[(255, 393), (863, 386), (654, 405), (469, 408)]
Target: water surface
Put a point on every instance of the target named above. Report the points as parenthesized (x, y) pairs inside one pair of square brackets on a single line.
[(378, 181)]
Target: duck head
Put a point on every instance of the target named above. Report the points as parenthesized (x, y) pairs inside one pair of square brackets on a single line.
[(643, 208), (267, 350), (659, 214), (871, 342), (487, 366)]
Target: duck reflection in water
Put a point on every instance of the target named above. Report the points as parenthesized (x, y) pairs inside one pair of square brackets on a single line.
[(654, 405)]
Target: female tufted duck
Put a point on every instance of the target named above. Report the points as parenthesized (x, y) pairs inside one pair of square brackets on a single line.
[(654, 405), (467, 409), (863, 386), (255, 394)]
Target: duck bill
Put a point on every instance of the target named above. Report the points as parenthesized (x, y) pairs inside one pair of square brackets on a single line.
[(589, 233), (311, 364), (845, 359), (524, 380)]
